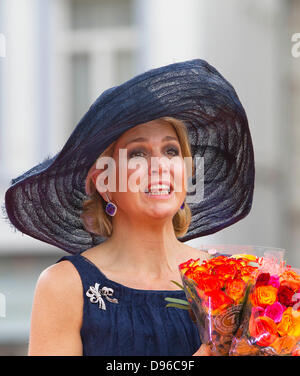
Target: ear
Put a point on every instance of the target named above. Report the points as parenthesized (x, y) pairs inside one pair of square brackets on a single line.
[(91, 179), (95, 181), (94, 175)]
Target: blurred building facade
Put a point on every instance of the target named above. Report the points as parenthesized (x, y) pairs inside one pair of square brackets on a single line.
[(61, 54)]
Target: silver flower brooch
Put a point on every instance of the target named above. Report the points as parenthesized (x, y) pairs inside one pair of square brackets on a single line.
[(96, 295)]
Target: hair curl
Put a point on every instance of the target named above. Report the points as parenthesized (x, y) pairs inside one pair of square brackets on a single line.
[(94, 217)]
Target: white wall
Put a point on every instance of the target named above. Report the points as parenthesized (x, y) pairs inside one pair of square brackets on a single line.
[(243, 41)]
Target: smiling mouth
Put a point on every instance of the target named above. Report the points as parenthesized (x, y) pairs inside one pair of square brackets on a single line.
[(160, 191)]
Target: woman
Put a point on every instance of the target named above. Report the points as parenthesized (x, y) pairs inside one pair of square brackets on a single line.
[(108, 297)]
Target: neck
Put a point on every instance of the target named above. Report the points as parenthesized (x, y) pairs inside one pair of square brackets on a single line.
[(150, 249)]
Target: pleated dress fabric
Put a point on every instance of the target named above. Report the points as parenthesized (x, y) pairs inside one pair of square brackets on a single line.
[(138, 324)]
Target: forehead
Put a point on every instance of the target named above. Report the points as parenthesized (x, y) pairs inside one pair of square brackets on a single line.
[(153, 130)]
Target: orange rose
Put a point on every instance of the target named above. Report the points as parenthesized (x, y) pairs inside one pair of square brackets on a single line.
[(237, 263), (225, 271), (264, 295), (191, 265), (209, 282), (290, 279), (248, 270), (235, 289), (290, 323), (197, 262), (189, 273), (286, 322), (264, 330), (216, 300), (201, 268), (284, 345), (219, 260), (295, 329), (195, 274), (247, 273), (185, 266)]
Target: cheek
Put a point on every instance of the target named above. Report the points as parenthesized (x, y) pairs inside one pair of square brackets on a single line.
[(131, 178), (179, 175)]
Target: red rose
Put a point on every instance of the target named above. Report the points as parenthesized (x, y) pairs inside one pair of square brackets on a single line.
[(235, 289), (264, 330), (285, 295), (217, 299), (262, 279), (225, 271), (195, 274), (209, 282)]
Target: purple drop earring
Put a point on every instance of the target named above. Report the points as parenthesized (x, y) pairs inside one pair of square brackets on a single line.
[(110, 207), (182, 206)]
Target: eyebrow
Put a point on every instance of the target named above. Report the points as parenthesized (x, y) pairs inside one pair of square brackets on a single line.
[(142, 139)]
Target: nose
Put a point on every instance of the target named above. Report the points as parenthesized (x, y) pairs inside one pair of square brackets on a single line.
[(159, 165)]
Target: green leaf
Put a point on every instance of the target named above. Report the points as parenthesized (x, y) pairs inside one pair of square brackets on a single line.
[(177, 284), (252, 263), (177, 306), (180, 301), (190, 291)]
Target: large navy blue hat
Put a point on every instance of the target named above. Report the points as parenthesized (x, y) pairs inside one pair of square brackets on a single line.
[(46, 201)]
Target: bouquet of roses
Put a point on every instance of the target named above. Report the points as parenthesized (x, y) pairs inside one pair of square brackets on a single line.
[(216, 290), (271, 319)]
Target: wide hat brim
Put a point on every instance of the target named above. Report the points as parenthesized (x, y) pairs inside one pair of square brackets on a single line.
[(46, 201)]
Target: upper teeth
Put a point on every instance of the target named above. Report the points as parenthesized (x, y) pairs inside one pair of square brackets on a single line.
[(158, 187)]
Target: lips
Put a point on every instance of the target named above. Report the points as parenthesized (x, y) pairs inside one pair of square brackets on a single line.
[(159, 186)]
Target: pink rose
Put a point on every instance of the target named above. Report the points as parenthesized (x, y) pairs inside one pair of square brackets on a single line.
[(274, 311), (257, 311), (274, 281)]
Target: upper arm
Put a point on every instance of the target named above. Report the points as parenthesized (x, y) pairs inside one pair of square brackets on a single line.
[(57, 312)]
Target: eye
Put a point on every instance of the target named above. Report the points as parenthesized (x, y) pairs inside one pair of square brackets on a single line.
[(173, 150), (135, 153)]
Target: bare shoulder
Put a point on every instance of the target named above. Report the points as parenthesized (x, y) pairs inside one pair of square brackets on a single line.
[(59, 277), (63, 270), (59, 287), (57, 308), (194, 253)]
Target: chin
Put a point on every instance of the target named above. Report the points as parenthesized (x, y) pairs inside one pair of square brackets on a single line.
[(159, 211)]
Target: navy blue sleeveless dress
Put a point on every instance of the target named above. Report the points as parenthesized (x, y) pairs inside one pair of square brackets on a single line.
[(119, 320)]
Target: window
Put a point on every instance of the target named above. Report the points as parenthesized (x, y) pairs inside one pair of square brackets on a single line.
[(101, 14), (98, 41)]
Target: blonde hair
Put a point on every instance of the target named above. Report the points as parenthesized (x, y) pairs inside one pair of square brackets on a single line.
[(94, 217)]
